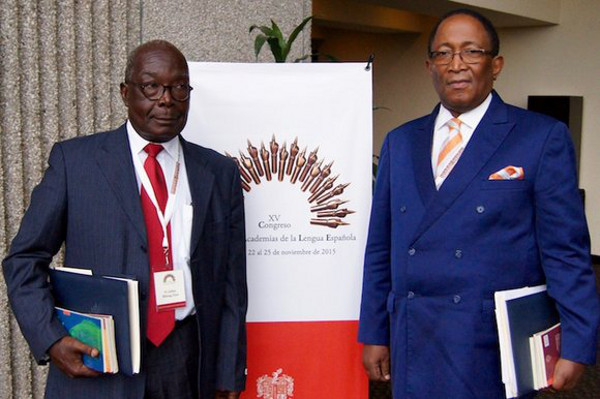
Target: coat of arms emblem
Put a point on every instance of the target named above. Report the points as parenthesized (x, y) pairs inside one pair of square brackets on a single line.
[(278, 386)]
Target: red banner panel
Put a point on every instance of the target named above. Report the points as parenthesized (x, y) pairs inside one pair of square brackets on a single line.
[(305, 360)]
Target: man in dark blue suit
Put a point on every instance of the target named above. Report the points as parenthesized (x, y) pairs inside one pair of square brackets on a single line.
[(103, 197), (477, 197)]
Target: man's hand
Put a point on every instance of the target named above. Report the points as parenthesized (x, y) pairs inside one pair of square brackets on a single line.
[(227, 395), (376, 359), (566, 374), (66, 355)]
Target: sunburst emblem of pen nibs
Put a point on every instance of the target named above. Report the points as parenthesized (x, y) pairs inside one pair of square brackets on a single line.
[(277, 162)]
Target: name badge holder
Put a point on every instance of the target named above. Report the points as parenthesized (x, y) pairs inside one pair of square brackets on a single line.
[(169, 289), (169, 284)]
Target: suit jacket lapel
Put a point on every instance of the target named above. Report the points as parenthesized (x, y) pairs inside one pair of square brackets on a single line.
[(201, 182), (114, 160), (490, 133), (421, 142)]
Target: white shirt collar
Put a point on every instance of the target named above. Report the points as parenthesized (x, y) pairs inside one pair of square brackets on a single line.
[(470, 118), (137, 143)]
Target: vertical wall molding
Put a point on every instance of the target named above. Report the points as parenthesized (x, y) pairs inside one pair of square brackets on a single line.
[(61, 62)]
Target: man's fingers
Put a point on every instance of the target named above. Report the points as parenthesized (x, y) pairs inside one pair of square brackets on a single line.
[(373, 372), (78, 346), (78, 369), (376, 359), (67, 353), (385, 369), (90, 351), (566, 374)]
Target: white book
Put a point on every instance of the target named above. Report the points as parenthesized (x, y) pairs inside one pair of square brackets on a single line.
[(134, 320)]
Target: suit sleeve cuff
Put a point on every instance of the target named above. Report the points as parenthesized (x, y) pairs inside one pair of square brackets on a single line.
[(40, 352)]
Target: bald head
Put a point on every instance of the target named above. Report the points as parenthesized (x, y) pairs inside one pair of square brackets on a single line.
[(151, 46)]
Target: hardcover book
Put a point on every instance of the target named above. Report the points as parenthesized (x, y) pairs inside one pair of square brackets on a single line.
[(521, 313)]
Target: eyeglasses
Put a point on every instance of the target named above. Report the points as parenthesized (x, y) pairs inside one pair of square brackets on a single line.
[(469, 56), (154, 91)]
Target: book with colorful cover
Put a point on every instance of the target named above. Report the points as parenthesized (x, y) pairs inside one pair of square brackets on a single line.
[(545, 352), (96, 331)]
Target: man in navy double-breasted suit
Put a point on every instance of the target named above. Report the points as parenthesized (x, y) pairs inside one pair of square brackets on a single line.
[(91, 199), (477, 197)]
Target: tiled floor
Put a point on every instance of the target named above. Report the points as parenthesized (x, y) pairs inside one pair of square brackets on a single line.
[(588, 388)]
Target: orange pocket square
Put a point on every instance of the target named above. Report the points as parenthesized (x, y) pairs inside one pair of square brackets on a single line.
[(508, 173)]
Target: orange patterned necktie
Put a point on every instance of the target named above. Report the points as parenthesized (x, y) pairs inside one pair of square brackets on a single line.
[(452, 148)]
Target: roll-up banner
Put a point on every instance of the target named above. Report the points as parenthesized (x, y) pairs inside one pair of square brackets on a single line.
[(301, 135)]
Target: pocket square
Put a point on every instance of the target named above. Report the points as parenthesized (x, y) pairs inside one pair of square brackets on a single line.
[(508, 173)]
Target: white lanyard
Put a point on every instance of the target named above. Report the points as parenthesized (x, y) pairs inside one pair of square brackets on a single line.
[(165, 218)]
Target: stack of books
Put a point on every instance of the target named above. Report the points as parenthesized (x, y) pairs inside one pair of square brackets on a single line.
[(105, 311), (527, 315), (94, 330), (545, 351)]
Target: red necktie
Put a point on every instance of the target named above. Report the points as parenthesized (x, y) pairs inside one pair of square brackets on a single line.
[(160, 324)]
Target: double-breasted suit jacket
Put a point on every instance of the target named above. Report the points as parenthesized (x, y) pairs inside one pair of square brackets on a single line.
[(89, 200), (435, 258)]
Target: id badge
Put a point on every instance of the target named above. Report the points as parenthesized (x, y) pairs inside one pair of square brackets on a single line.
[(169, 289)]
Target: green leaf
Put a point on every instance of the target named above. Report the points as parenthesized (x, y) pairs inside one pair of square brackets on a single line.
[(279, 36), (297, 31), (264, 29), (276, 31), (280, 47), (275, 49), (258, 44), (294, 35)]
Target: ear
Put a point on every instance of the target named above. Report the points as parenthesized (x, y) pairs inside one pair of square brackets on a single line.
[(124, 93), (497, 64), (429, 66)]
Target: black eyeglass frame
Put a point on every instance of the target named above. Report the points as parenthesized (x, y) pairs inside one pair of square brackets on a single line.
[(143, 87), (465, 56)]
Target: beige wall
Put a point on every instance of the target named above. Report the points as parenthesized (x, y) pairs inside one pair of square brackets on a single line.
[(553, 60), (401, 86), (562, 60), (217, 30)]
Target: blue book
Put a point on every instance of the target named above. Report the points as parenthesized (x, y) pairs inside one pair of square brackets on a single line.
[(102, 295), (87, 329)]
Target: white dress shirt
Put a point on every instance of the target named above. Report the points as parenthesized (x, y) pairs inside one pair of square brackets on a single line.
[(181, 222), (469, 122)]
